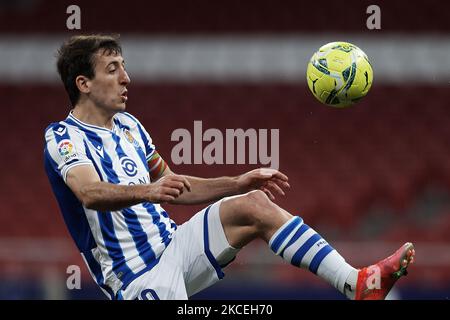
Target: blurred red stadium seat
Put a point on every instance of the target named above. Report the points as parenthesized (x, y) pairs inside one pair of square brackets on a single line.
[(339, 162)]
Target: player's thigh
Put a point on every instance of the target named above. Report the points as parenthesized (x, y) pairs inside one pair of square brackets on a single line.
[(207, 250)]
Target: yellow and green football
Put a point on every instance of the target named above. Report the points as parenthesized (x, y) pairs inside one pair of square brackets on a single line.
[(339, 74)]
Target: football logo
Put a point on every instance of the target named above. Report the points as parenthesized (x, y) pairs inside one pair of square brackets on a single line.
[(66, 149)]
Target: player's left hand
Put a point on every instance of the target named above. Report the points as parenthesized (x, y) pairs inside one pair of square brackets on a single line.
[(270, 181)]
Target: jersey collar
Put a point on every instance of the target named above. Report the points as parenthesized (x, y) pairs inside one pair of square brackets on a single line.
[(90, 126)]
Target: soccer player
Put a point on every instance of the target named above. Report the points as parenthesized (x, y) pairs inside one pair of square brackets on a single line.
[(110, 182)]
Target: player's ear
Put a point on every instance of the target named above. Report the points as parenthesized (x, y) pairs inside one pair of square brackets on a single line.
[(83, 84)]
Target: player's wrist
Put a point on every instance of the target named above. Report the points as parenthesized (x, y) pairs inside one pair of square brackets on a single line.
[(142, 193), (238, 184)]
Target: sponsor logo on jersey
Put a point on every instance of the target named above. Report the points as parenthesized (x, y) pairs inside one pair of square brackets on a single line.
[(129, 166)]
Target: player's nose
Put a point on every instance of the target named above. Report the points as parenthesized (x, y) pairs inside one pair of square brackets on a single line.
[(124, 78)]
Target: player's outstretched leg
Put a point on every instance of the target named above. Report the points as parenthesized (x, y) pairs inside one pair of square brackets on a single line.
[(375, 281), (300, 245), (303, 247), (253, 215)]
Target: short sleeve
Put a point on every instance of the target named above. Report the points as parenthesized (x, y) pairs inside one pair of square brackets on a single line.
[(65, 149)]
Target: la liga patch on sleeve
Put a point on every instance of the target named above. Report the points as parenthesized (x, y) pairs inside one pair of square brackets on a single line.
[(66, 150)]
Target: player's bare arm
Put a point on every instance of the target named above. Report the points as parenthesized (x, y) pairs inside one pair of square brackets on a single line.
[(204, 190), (98, 195)]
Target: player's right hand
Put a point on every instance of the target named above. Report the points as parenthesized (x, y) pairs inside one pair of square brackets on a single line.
[(168, 188)]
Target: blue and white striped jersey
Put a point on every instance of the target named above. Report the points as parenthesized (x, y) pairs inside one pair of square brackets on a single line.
[(117, 246)]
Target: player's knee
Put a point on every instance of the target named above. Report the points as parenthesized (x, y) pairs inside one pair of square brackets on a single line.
[(257, 197), (251, 213), (256, 205)]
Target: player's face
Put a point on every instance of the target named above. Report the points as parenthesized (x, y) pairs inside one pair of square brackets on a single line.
[(108, 87)]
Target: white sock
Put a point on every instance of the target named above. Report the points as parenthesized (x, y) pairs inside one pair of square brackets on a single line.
[(350, 284), (339, 274), (303, 247)]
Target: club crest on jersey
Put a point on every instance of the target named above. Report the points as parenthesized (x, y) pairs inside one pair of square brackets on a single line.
[(130, 138), (66, 150)]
